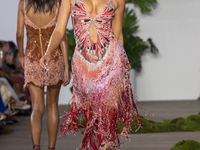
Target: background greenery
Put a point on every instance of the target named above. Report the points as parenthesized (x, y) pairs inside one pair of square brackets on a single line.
[(134, 45), (191, 123), (186, 145)]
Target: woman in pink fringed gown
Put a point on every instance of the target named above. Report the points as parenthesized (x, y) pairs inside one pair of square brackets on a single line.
[(102, 93)]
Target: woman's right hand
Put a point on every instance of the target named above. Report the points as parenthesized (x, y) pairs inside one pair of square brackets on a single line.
[(45, 60)]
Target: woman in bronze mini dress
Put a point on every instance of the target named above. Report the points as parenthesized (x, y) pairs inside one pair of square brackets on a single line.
[(40, 18)]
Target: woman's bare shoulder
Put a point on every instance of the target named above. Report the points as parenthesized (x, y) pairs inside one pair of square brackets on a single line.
[(21, 5), (119, 3)]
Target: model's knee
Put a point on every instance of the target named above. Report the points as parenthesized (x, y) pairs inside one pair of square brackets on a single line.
[(51, 106), (38, 109)]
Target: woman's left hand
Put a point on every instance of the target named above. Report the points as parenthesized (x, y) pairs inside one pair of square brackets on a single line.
[(67, 77)]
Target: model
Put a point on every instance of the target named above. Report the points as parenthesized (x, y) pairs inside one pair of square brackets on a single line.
[(40, 18), (102, 93)]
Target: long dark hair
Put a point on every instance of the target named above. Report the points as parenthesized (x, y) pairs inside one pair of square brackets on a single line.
[(39, 5)]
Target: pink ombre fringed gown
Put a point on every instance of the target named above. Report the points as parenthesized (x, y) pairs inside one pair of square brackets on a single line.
[(102, 92)]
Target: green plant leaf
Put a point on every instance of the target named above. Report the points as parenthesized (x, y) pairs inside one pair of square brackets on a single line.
[(153, 47), (130, 21), (134, 45), (146, 6), (71, 45)]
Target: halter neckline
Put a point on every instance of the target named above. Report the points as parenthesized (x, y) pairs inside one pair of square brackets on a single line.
[(98, 12)]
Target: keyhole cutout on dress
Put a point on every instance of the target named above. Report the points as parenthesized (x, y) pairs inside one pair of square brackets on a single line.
[(93, 33)]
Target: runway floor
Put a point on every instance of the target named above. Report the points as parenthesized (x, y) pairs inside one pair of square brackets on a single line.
[(20, 138)]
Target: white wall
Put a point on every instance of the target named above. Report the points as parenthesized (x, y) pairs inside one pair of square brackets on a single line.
[(8, 19), (174, 74), (174, 26)]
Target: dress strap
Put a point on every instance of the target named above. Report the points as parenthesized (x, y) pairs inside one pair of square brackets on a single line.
[(58, 4), (113, 3)]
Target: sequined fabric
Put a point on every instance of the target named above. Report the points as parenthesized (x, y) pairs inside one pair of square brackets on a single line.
[(102, 93), (37, 43)]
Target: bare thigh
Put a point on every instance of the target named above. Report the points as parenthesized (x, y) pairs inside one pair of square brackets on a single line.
[(52, 95), (37, 97)]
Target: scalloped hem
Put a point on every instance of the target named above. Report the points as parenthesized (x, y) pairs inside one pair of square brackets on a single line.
[(41, 86)]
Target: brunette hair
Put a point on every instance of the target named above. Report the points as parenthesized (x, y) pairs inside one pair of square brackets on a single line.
[(40, 5)]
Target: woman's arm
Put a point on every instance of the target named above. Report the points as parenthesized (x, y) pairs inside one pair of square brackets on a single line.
[(118, 20), (64, 48), (20, 31), (59, 31)]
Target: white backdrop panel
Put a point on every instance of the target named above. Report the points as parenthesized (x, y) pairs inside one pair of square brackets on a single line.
[(175, 28), (174, 73)]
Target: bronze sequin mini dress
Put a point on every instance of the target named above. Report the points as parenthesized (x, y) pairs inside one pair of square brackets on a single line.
[(37, 43)]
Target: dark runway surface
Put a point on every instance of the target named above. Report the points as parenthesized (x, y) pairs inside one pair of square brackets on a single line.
[(20, 138)]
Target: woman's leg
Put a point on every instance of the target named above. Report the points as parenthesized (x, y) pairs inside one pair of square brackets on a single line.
[(53, 114), (37, 99)]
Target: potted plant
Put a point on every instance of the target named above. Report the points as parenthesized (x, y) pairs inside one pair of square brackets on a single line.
[(134, 45)]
